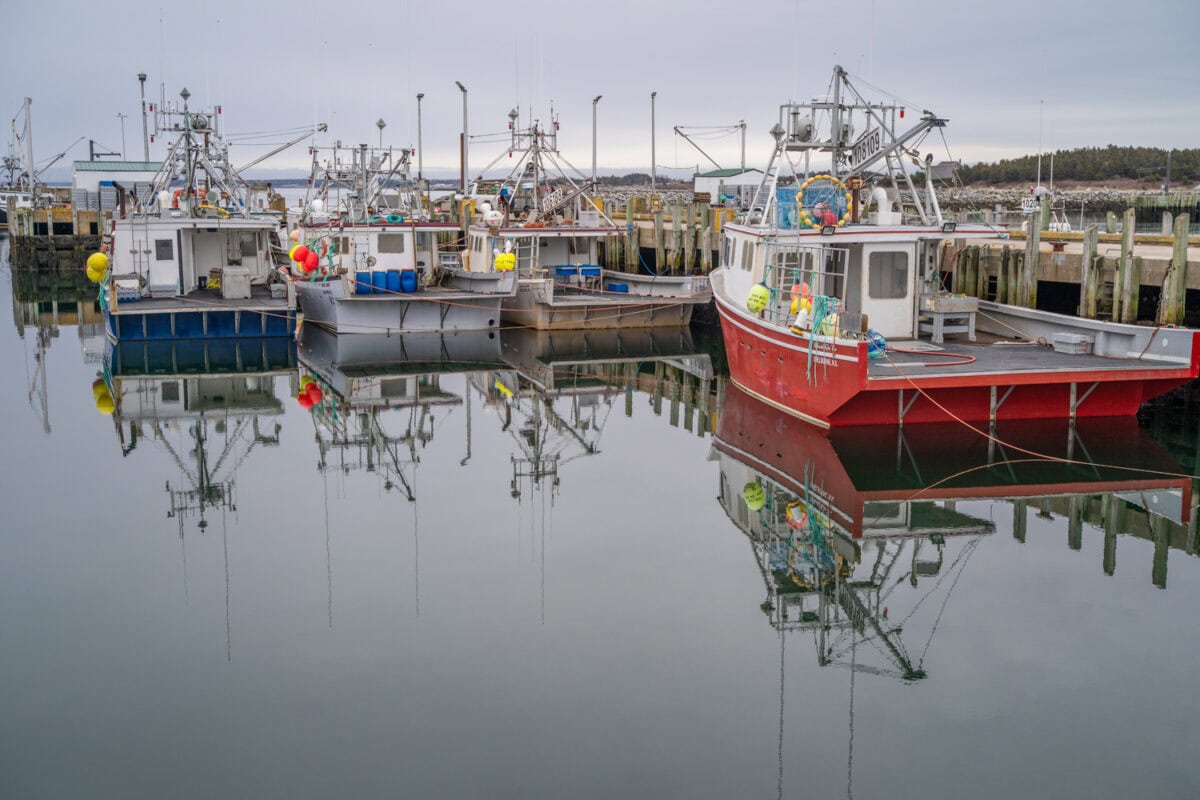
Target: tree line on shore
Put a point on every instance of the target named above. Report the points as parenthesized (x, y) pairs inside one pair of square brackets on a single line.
[(1147, 164)]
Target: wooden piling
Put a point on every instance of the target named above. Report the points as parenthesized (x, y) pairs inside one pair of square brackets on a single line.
[(1112, 521), (1002, 276), (676, 239), (1020, 518), (1110, 222), (1044, 213), (1161, 531), (1075, 522), (1175, 304), (1089, 278), (631, 245), (1016, 265), (966, 262), (1123, 290), (689, 240), (1029, 268), (660, 260), (705, 236)]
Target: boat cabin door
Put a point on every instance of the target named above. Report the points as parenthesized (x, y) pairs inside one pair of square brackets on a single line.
[(887, 289)]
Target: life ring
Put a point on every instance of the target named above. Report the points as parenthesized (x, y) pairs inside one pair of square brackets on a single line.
[(805, 219)]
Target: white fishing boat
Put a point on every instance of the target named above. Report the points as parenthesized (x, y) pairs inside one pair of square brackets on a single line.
[(195, 256), (375, 257), (542, 219)]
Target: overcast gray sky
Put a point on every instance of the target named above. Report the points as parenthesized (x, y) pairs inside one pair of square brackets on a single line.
[(1105, 72)]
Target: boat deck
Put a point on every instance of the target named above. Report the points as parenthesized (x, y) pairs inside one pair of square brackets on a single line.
[(990, 354), (585, 298), (438, 293), (202, 299)]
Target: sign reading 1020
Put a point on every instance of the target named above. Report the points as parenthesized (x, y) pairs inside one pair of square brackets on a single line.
[(867, 146)]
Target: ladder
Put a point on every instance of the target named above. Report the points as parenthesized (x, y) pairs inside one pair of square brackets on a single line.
[(764, 195), (911, 205)]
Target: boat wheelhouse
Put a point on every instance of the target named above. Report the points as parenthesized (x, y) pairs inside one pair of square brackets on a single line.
[(379, 260), (545, 223), (826, 287), (195, 257)]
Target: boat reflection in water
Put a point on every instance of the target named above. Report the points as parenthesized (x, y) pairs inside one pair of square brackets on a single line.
[(559, 388), (862, 535), (209, 404), (180, 393), (855, 529), (383, 395)]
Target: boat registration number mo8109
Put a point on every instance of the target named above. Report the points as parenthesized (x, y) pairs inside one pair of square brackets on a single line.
[(867, 146)]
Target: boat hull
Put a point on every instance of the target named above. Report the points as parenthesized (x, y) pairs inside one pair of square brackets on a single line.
[(834, 387), (650, 303), (332, 305), (145, 322)]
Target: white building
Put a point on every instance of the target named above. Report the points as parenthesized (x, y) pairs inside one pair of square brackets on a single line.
[(728, 187), (92, 181)]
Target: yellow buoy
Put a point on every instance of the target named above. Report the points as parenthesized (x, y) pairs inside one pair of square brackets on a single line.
[(100, 393), (757, 301), (754, 496), (98, 262), (505, 262)]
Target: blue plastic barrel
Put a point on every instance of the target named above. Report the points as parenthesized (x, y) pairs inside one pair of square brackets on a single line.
[(393, 280), (378, 282), (362, 283), (408, 280), (623, 288)]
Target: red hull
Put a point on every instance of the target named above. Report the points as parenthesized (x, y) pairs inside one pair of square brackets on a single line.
[(773, 365)]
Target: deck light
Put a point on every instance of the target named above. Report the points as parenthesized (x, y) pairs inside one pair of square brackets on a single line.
[(948, 227), (828, 230)]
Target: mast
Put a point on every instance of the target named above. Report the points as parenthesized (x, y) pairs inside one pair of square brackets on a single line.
[(830, 126)]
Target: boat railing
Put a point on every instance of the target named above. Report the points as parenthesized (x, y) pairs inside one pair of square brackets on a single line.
[(803, 277)]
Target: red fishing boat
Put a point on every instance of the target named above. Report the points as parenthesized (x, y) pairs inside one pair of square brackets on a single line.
[(826, 286)]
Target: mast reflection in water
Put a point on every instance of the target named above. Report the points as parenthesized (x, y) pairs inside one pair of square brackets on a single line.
[(859, 540)]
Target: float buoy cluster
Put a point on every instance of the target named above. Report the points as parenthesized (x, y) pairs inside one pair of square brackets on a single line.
[(307, 260), (97, 267), (103, 397), (310, 393)]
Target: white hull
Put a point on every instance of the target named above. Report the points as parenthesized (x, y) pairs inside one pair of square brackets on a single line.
[(650, 302), (333, 305)]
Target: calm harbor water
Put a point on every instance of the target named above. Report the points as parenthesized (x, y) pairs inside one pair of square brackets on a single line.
[(564, 567)]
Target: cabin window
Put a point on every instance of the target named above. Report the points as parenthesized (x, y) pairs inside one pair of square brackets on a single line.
[(339, 245), (249, 245), (727, 254), (164, 250), (747, 256), (170, 391), (887, 275), (391, 242)]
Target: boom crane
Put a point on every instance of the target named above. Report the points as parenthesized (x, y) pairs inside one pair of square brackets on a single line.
[(740, 126), (320, 127)]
